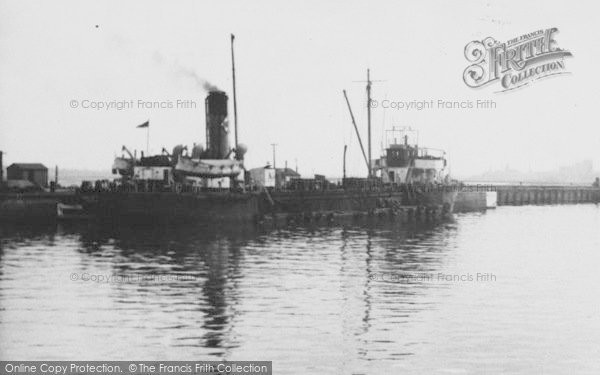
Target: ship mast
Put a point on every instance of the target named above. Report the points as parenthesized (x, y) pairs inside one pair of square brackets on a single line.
[(369, 120), (235, 118), (344, 167)]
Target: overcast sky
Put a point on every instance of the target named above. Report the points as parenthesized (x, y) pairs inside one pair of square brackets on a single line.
[(293, 60)]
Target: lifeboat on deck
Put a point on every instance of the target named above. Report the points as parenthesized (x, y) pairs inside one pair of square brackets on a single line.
[(123, 166), (209, 167)]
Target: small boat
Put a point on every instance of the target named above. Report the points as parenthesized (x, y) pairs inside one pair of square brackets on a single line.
[(209, 168), (71, 212)]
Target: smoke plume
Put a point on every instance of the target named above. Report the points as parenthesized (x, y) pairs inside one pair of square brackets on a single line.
[(185, 72)]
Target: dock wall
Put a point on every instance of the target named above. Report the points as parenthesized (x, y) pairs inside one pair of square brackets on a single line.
[(29, 207), (469, 201)]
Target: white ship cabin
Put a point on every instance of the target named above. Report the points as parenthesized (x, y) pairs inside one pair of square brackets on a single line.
[(154, 168), (403, 161)]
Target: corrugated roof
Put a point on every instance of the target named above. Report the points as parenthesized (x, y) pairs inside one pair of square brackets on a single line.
[(28, 165)]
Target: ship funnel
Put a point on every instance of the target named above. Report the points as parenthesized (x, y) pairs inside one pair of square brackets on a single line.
[(217, 126)]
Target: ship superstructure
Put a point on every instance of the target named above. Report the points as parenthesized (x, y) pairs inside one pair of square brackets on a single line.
[(215, 167), (403, 161)]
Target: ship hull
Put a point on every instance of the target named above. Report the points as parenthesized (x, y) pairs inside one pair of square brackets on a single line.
[(244, 207), (173, 207)]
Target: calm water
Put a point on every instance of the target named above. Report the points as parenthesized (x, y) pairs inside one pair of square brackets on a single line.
[(338, 300)]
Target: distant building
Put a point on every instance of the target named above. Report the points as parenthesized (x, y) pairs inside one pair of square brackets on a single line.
[(33, 172), (285, 175), (268, 177), (262, 176)]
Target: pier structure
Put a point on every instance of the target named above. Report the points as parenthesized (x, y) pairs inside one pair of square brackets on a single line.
[(518, 195)]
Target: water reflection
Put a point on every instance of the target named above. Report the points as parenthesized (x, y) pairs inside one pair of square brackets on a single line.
[(247, 292), (306, 298), (206, 259)]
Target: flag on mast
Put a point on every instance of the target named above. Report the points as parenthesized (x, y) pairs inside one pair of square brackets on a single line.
[(147, 126)]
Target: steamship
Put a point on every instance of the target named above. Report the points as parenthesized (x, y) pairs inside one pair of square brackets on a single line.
[(212, 184)]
